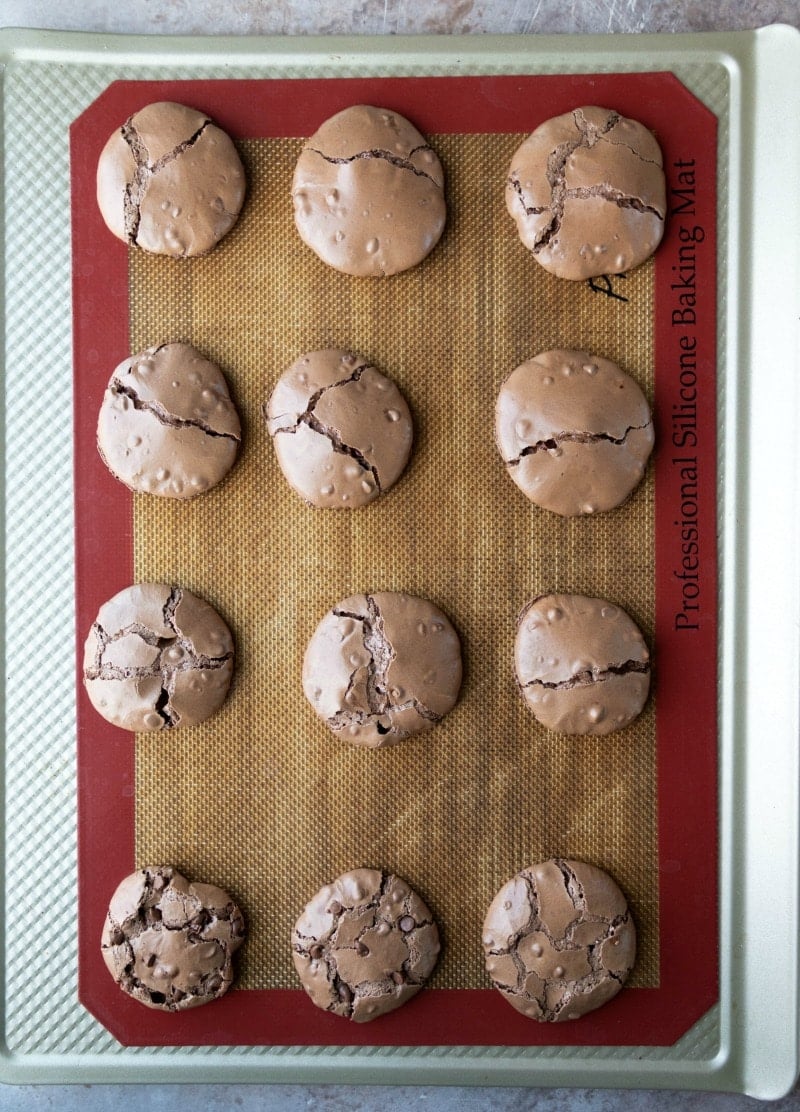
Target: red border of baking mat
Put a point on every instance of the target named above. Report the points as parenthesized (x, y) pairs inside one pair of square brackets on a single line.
[(686, 561)]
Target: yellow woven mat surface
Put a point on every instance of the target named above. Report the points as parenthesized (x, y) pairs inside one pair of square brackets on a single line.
[(262, 799)]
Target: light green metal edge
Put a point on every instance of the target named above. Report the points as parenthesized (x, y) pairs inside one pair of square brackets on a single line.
[(749, 1042)]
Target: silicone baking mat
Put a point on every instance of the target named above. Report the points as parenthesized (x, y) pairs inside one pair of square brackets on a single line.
[(261, 799)]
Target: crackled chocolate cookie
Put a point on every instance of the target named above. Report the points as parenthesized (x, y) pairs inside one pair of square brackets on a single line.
[(574, 430), (170, 181), (342, 430), (382, 667), (559, 940), (581, 663), (364, 945), (588, 193), (167, 424), (157, 657), (368, 193), (169, 943)]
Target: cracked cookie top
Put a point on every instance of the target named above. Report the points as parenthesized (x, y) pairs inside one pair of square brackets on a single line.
[(574, 430), (368, 193), (559, 940), (167, 424), (157, 657), (342, 430), (581, 663), (170, 181), (382, 667), (169, 943), (364, 945), (588, 193)]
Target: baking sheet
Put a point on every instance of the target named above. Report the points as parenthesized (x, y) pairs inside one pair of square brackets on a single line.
[(718, 71)]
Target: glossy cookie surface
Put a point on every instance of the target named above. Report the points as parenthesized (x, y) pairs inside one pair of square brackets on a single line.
[(170, 181), (559, 940), (368, 193), (167, 424), (574, 430), (342, 430), (382, 667), (169, 943), (157, 657), (364, 945), (581, 663), (588, 193)]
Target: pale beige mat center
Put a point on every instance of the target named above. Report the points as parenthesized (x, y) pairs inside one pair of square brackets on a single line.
[(262, 799)]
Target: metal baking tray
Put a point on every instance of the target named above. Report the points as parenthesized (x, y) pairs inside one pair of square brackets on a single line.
[(748, 1041)]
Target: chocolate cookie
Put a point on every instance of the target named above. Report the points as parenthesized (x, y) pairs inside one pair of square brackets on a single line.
[(382, 667), (170, 181), (559, 940), (342, 430), (364, 945), (167, 424), (582, 664), (157, 657), (169, 943), (588, 193), (574, 430), (368, 193)]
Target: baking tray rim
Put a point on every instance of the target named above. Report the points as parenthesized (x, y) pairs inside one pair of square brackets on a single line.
[(759, 65)]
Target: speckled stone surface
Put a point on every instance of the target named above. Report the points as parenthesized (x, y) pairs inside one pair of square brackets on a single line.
[(397, 17), (370, 1098), (366, 17)]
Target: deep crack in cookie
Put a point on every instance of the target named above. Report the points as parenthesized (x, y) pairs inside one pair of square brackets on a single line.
[(342, 430), (559, 940), (170, 181), (574, 430), (588, 193), (167, 425), (157, 657), (382, 667), (368, 193), (169, 943), (364, 945), (581, 663)]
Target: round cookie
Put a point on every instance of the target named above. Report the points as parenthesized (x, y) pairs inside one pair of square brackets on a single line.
[(581, 663), (574, 431), (167, 424), (169, 943), (588, 193), (368, 193), (342, 430), (364, 945), (157, 657), (382, 667), (559, 940), (170, 181)]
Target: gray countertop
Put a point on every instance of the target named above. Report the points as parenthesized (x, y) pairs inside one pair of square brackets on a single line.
[(300, 17), (397, 17)]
